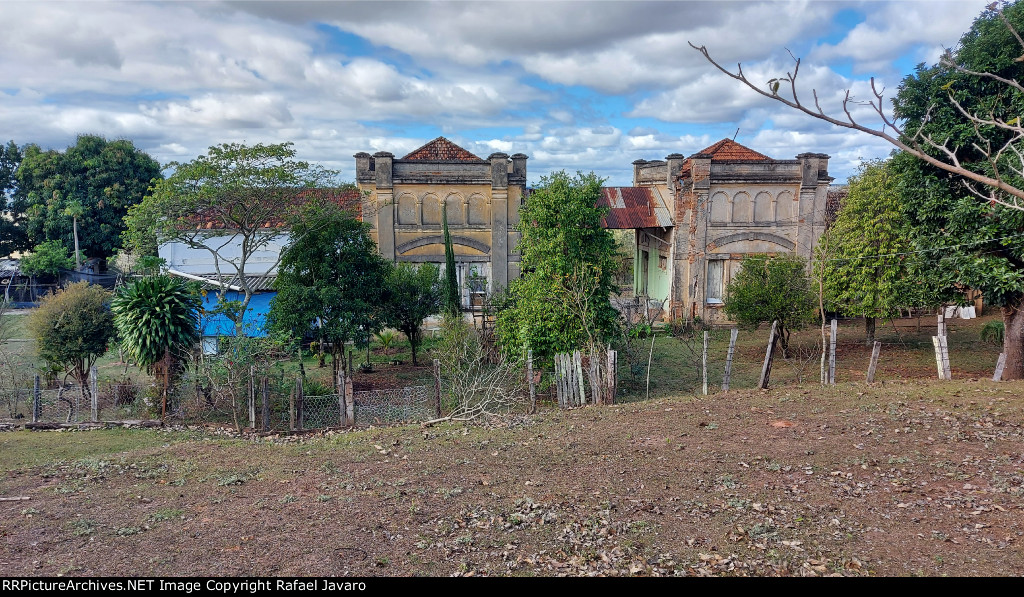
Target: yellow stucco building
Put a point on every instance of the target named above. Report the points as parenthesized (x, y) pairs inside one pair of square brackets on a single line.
[(481, 197)]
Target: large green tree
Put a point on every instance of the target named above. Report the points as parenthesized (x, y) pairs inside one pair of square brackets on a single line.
[(72, 329), (772, 288), (232, 203), (872, 269), (90, 185), (331, 282), (12, 228), (971, 244), (413, 294), (569, 260)]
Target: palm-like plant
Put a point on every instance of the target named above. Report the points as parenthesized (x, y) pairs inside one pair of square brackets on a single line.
[(157, 317)]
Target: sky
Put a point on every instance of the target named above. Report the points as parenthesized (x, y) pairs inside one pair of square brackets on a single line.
[(589, 86)]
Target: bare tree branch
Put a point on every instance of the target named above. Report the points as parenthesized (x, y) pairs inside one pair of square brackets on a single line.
[(917, 142)]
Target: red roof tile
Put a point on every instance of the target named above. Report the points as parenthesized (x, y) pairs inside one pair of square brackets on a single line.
[(442, 150), (727, 149), (629, 208), (349, 200)]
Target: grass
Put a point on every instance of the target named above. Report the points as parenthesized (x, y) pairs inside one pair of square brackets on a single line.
[(23, 449)]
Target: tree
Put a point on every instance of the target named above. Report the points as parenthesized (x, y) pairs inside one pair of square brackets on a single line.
[(232, 202), (984, 152), (157, 320), (331, 282), (569, 260), (90, 186), (870, 269), (450, 293), (772, 288), (12, 228), (414, 293), (47, 259), (72, 328)]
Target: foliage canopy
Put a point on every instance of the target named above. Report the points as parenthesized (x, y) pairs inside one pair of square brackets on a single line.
[(568, 260)]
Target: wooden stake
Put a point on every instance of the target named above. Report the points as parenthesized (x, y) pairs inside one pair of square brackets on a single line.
[(705, 364), (581, 397), (769, 353), (94, 390), (529, 380), (342, 418), (437, 388), (266, 404), (832, 353), (300, 398), (350, 402), (252, 397), (728, 359), (649, 358), (874, 361), (36, 400), (613, 382), (1000, 364)]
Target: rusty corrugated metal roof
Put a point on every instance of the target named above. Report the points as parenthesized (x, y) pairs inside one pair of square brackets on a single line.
[(634, 207)]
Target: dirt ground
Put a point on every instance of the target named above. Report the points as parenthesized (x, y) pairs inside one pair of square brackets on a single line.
[(901, 478)]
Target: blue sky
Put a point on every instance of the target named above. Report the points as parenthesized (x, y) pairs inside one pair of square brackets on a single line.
[(574, 85)]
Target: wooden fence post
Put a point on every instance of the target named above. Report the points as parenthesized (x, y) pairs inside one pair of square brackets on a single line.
[(769, 353), (613, 368), (266, 404), (300, 399), (577, 359), (874, 361), (437, 388), (704, 366), (649, 358), (1000, 364), (529, 380), (252, 397), (832, 352), (94, 391), (343, 419), (350, 402), (36, 400), (728, 359)]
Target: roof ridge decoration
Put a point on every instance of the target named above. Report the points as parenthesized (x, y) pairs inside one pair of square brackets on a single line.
[(442, 150), (727, 149)]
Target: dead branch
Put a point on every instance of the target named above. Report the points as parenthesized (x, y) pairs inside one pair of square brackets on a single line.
[(916, 142)]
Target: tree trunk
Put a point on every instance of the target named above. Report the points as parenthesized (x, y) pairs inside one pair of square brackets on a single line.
[(413, 341), (1013, 340), (869, 328)]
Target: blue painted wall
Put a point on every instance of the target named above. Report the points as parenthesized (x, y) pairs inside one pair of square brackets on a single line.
[(254, 321)]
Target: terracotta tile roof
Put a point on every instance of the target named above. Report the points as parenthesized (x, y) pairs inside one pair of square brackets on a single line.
[(727, 149), (349, 200), (442, 150), (633, 207)]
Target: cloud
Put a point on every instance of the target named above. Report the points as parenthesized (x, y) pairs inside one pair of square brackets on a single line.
[(893, 29)]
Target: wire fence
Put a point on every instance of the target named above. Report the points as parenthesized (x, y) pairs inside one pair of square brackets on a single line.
[(72, 403)]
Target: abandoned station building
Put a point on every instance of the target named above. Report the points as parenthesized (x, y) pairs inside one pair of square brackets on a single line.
[(481, 198), (694, 218)]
